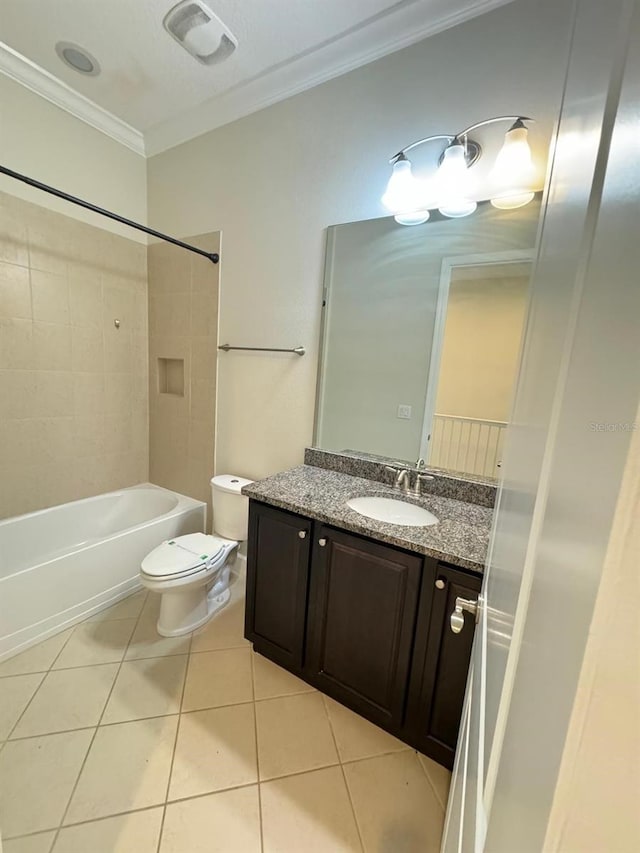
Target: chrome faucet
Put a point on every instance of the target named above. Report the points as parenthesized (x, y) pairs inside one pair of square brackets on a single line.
[(402, 479)]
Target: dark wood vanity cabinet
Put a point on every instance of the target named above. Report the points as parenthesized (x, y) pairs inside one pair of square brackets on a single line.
[(440, 666), (363, 604), (277, 582), (364, 622)]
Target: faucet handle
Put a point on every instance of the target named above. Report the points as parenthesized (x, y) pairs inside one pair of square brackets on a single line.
[(420, 464)]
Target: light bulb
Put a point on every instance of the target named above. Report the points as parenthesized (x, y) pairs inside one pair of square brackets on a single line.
[(403, 191), (453, 183), (417, 217)]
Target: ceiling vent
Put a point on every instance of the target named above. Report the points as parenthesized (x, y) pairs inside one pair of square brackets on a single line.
[(200, 32)]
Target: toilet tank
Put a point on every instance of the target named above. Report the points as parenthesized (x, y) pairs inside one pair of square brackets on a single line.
[(230, 507)]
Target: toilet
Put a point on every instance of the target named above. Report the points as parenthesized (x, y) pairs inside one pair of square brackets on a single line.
[(192, 572)]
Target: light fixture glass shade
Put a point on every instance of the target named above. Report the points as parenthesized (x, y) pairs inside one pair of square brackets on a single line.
[(513, 200), (404, 191), (512, 172), (416, 217), (514, 166), (453, 184)]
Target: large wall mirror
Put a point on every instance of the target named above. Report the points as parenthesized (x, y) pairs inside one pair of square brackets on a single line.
[(421, 336)]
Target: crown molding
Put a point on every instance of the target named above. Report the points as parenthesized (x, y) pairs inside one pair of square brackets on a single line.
[(35, 78), (384, 35)]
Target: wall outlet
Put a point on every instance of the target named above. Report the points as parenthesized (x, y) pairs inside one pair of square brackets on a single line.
[(404, 411)]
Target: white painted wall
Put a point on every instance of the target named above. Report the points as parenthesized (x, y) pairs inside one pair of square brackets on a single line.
[(44, 142), (272, 183)]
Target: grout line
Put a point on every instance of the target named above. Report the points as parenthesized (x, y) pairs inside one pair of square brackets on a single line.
[(430, 781), (45, 673), (344, 775), (175, 744), (84, 761), (252, 656)]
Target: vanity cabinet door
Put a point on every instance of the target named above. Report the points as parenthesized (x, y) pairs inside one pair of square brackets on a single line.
[(435, 719), (277, 582), (363, 602)]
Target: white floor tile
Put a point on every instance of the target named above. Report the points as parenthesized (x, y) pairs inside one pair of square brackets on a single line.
[(128, 608), (395, 806), (40, 843), (96, 642), (227, 822), (271, 680), (36, 779), (224, 631), (38, 658), (68, 699), (147, 643), (127, 768), (309, 812), (293, 735), (137, 832), (15, 693), (439, 777), (356, 737), (216, 749), (218, 678), (146, 688)]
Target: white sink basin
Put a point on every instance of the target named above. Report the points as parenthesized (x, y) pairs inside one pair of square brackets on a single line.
[(392, 511)]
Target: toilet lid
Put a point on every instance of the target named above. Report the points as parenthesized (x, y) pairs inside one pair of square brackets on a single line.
[(186, 554)]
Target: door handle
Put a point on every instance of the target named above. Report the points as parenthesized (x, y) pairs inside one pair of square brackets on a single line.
[(322, 542), (457, 617)]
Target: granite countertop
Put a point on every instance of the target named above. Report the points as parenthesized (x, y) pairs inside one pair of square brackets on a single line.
[(461, 537)]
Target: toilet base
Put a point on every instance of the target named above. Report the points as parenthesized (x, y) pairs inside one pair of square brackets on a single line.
[(183, 612)]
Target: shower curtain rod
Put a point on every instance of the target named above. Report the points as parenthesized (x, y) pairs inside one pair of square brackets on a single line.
[(212, 256)]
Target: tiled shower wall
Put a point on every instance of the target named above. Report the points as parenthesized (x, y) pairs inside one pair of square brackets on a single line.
[(73, 387), (183, 324)]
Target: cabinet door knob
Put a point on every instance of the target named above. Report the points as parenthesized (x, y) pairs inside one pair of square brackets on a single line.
[(322, 542), (440, 584), (302, 534)]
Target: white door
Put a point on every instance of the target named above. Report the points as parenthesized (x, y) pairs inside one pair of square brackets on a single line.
[(482, 812)]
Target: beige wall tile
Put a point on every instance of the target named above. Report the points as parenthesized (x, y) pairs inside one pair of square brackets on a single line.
[(183, 324), (14, 247), (117, 350), (204, 314), (50, 295), (88, 394), (168, 269), (16, 344), (15, 291), (51, 346), (85, 297), (87, 353)]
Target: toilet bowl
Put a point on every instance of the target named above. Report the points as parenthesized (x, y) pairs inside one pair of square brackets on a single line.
[(192, 572)]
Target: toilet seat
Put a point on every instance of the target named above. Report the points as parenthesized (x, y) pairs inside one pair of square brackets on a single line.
[(186, 555)]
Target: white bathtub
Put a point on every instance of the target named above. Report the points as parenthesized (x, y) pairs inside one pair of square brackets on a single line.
[(60, 565)]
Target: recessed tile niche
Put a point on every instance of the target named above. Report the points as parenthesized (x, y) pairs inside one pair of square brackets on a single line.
[(171, 376)]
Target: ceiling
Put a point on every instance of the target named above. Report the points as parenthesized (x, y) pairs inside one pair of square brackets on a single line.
[(152, 95)]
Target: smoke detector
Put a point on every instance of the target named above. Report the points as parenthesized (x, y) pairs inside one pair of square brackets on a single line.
[(200, 32)]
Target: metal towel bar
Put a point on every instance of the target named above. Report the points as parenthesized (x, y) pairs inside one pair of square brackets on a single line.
[(297, 350)]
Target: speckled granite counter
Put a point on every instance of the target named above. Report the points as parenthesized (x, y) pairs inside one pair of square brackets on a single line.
[(461, 537)]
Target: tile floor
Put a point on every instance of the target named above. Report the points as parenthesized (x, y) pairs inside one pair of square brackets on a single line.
[(115, 740)]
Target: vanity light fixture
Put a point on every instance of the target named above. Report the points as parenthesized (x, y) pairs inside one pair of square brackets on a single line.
[(451, 191)]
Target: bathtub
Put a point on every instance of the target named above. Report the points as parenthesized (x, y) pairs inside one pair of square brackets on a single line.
[(62, 564)]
